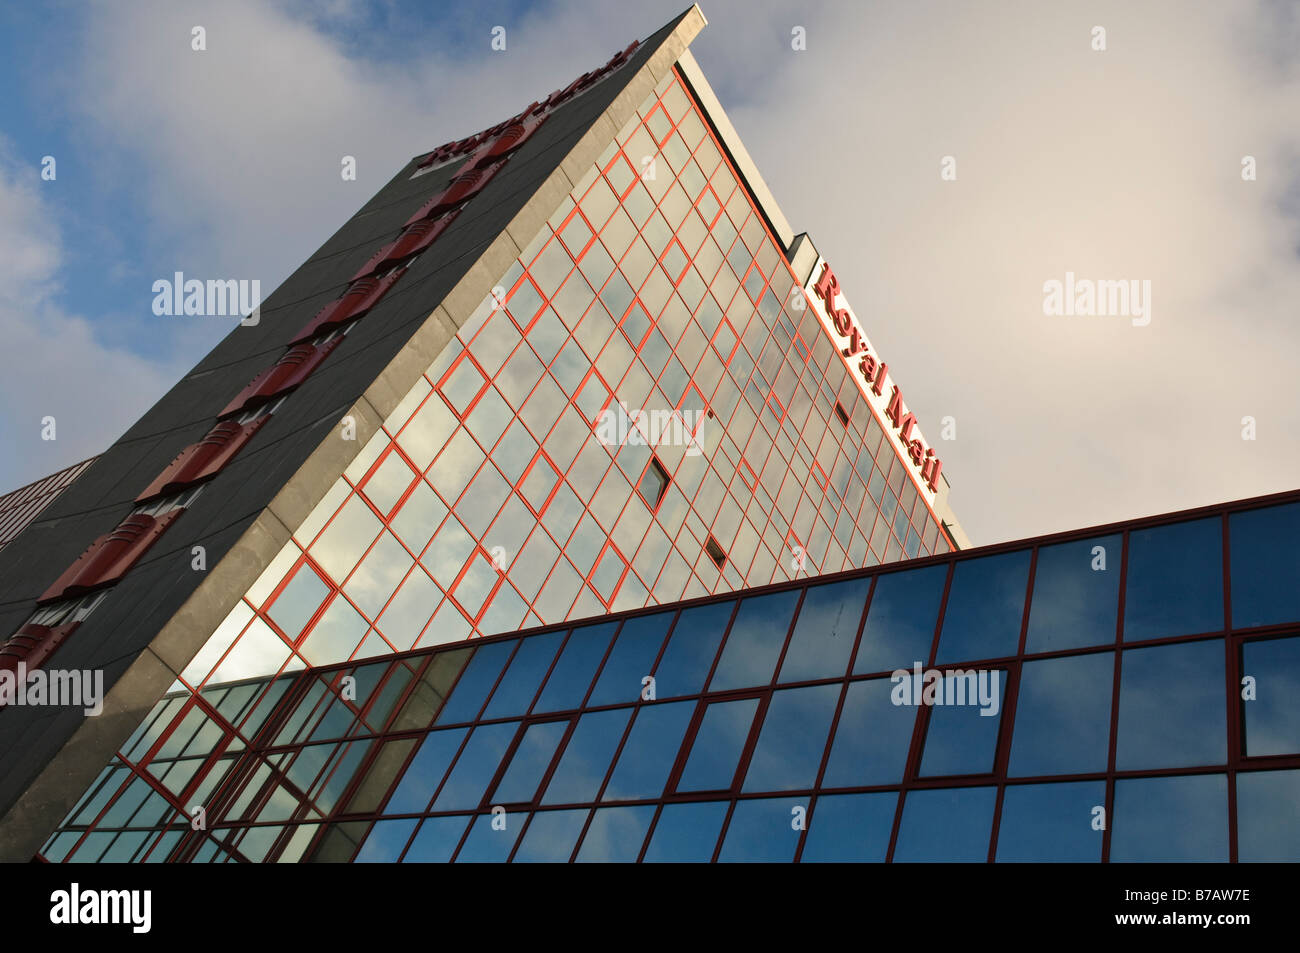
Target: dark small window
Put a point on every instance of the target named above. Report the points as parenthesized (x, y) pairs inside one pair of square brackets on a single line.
[(841, 413), (715, 552), (653, 483)]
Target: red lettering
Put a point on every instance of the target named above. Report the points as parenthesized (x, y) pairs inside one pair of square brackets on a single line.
[(879, 387), (827, 287), (934, 476)]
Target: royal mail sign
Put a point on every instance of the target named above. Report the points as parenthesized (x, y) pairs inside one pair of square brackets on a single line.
[(872, 374)]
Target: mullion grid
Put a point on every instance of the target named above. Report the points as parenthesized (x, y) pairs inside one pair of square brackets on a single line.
[(912, 780), (1237, 760)]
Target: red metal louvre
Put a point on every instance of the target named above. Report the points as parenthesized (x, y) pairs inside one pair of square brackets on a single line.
[(33, 644), (414, 239), (511, 138), (286, 374), (361, 296), (201, 460), (109, 557), (463, 187)]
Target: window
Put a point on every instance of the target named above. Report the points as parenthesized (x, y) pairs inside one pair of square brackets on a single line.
[(168, 503), (654, 482), (715, 552), (841, 413)]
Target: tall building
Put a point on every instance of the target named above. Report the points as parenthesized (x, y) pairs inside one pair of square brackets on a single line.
[(574, 364), (559, 507)]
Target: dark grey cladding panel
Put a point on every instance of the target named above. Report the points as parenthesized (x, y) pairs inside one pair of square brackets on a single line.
[(29, 742), (142, 603)]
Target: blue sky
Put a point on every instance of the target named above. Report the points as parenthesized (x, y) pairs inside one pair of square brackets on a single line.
[(1115, 164)]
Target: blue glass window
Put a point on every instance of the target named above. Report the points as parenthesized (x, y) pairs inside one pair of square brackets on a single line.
[(586, 757), (437, 839), (755, 641), (1171, 820), (1063, 716), (569, 680), (1044, 823), (1171, 707), (1272, 717), (1175, 580), (963, 733), (488, 845), (475, 682), (825, 631), (634, 654), (763, 831), (718, 743), (692, 647), (948, 824), (901, 620), (650, 750), (1076, 595), (524, 675), (426, 770), (1264, 576), (474, 769), (872, 737), (385, 841), (550, 837), (298, 601), (985, 606), (686, 833), (616, 834), (1268, 820), (793, 738), (529, 762), (850, 828)]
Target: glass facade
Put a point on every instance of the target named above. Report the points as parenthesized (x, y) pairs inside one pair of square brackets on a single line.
[(1069, 719), (656, 306)]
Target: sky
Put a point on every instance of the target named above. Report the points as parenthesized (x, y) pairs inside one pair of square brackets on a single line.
[(1116, 164)]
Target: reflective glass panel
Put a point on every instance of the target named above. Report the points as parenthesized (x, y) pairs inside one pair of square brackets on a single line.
[(1175, 580), (569, 681), (718, 743), (426, 771), (1170, 820), (901, 620), (686, 833), (850, 828), (985, 606), (616, 834), (825, 631), (1063, 716), (1076, 595), (1264, 575), (1268, 821), (550, 837), (691, 649), (648, 754), (1272, 716), (1171, 707), (475, 682), (761, 831), (951, 824), (586, 757), (477, 763), (635, 650), (755, 640), (793, 738), (1051, 823), (529, 762), (963, 733), (872, 737)]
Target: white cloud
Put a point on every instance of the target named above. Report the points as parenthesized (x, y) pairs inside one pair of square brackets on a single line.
[(51, 363), (1121, 164)]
